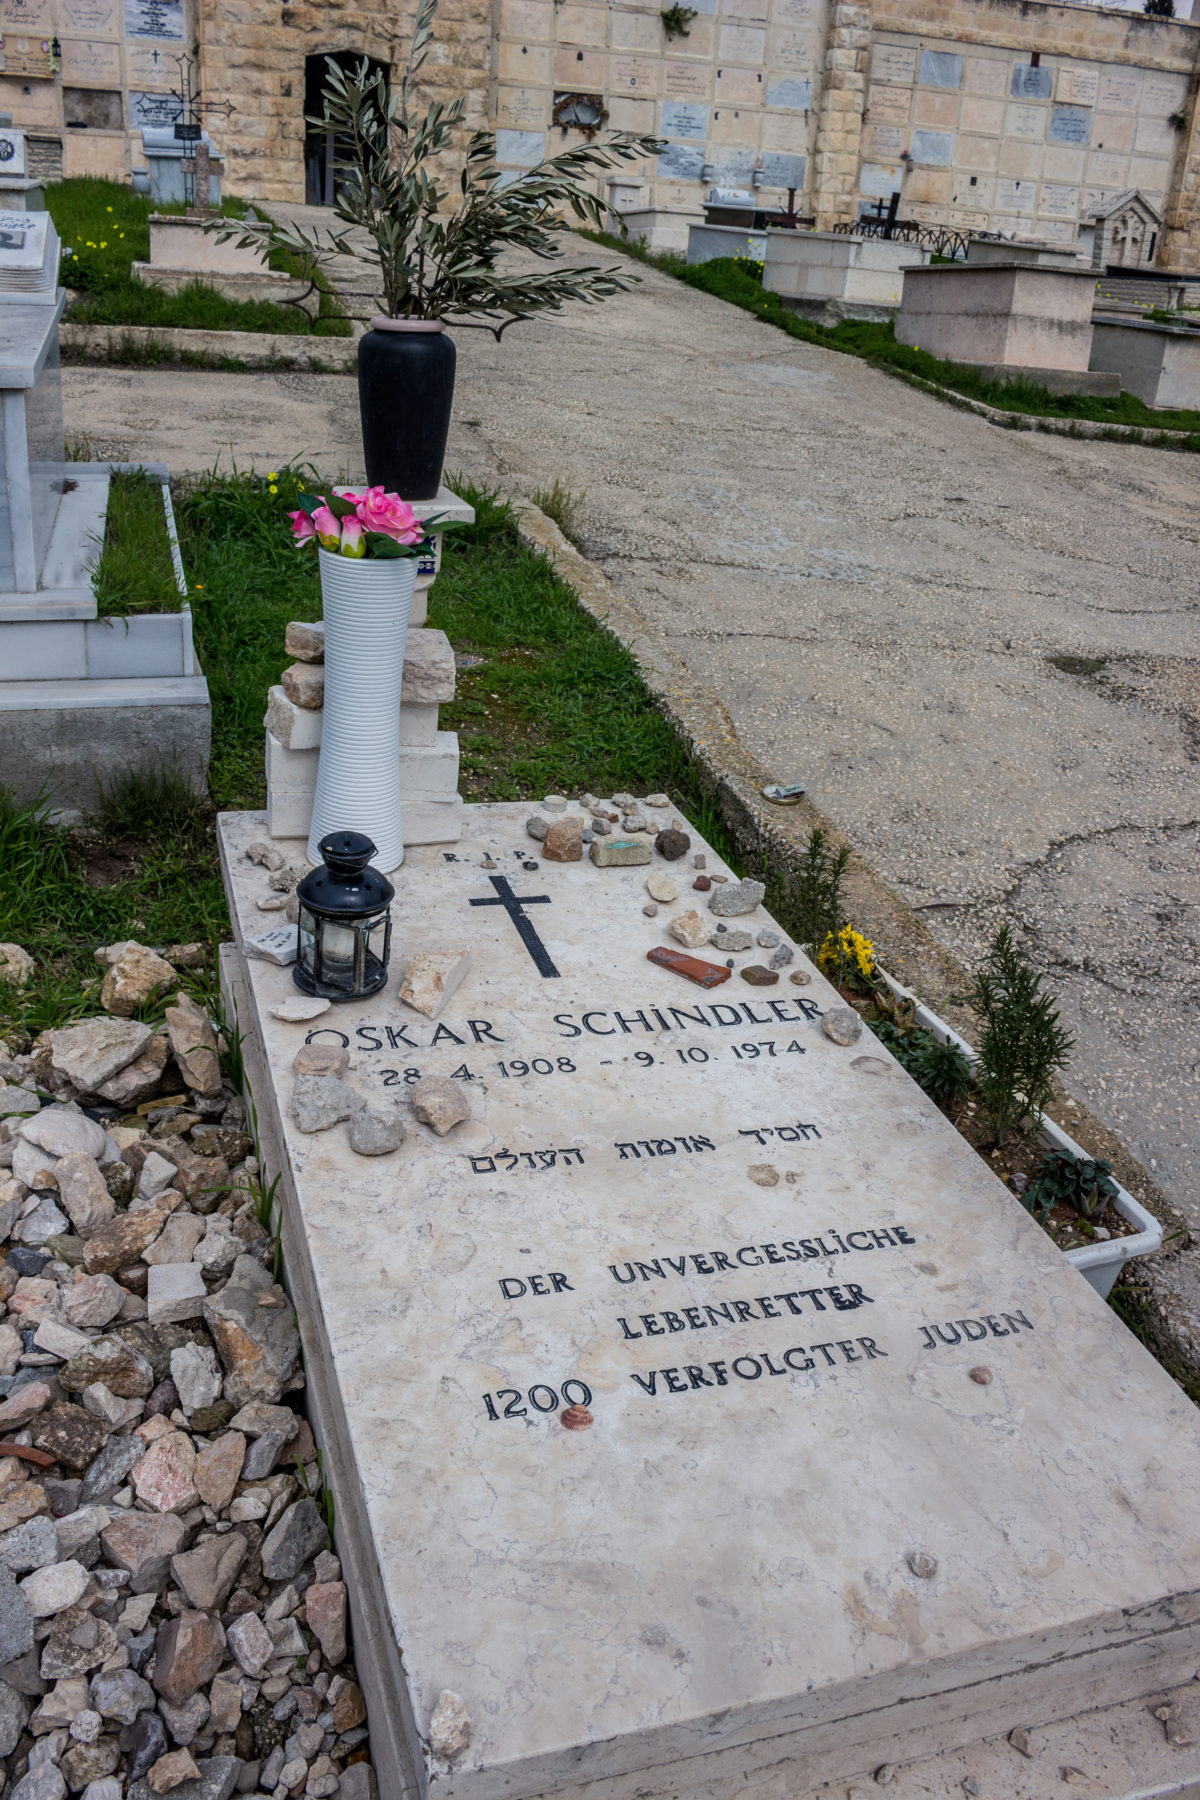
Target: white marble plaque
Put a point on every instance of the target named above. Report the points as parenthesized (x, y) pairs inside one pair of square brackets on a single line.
[(524, 148), (681, 162), (794, 94), (147, 66), (940, 69), (33, 16), (1163, 93), (682, 120), (633, 74), (1026, 122), (1077, 87), (933, 147), (522, 108), (154, 18), (780, 170), (756, 1268), (882, 140), (151, 109)]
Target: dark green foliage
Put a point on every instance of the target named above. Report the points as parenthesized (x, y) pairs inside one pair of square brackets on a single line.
[(1062, 1178), (815, 895), (729, 279), (677, 20), (140, 805), (1023, 1045), (440, 254), (136, 572), (940, 1068), (1159, 9)]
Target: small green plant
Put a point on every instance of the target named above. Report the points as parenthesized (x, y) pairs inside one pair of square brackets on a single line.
[(142, 802), (1159, 9), (1062, 1178), (1023, 1044), (677, 20), (815, 900), (940, 1068), (561, 503)]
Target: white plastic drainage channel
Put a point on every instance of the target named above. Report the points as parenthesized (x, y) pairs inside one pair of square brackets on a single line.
[(1098, 1263)]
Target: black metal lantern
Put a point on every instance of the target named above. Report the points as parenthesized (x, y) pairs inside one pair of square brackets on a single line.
[(344, 928)]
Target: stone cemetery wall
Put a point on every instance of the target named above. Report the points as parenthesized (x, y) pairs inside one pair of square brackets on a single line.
[(987, 114), (114, 74)]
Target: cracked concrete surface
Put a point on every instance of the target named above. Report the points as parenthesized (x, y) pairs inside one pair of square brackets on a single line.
[(876, 586)]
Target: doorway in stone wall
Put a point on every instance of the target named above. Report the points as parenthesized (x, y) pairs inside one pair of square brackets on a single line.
[(321, 149)]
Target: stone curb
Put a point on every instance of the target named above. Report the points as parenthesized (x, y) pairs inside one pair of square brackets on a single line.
[(248, 349), (1147, 435), (1164, 1289)]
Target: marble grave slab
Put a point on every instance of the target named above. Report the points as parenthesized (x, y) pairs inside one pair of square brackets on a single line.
[(793, 1534)]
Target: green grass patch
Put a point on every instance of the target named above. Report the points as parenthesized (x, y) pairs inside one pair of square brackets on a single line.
[(729, 278), (136, 572), (105, 229), (547, 700)]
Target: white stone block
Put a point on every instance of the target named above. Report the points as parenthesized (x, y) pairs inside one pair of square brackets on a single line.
[(426, 820), (298, 728), (174, 1292), (426, 771)]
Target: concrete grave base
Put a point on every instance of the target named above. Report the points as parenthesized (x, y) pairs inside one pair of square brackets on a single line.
[(1021, 315), (1100, 385), (1159, 363), (261, 284), (66, 741), (712, 1587)]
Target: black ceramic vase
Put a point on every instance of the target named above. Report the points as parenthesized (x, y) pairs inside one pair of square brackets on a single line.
[(405, 395)]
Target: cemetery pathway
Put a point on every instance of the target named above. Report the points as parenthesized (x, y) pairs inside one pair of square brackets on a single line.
[(978, 648)]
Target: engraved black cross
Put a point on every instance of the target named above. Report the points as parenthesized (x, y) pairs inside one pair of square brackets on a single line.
[(512, 904)]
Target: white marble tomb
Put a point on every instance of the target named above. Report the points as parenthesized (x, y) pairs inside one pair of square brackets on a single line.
[(798, 1539)]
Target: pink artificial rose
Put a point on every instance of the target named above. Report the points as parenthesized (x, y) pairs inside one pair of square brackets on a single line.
[(389, 514), (302, 527), (328, 527), (354, 541)]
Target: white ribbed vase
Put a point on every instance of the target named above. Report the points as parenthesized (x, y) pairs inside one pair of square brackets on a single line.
[(367, 603)]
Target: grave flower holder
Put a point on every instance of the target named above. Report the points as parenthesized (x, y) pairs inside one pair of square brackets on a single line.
[(366, 607)]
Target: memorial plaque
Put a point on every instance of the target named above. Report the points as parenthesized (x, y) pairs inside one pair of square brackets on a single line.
[(893, 62), (1108, 171), (681, 120), (933, 147), (1164, 94), (1070, 124), (524, 148), (689, 80), (522, 108), (152, 109), (90, 62), (940, 69), (877, 182), (793, 12), (1058, 202), (1015, 196), (147, 66), (793, 94), (1077, 87), (882, 140), (889, 104), (154, 18), (1028, 83), (633, 73), (781, 171), (654, 1394), (742, 43), (1119, 93), (733, 168), (681, 162), (793, 50), (1027, 122), (33, 16)]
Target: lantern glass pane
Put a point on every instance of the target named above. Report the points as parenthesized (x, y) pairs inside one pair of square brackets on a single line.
[(377, 936), (307, 945)]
